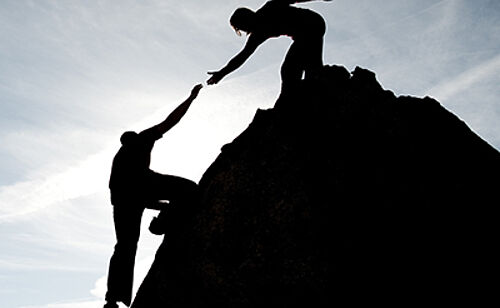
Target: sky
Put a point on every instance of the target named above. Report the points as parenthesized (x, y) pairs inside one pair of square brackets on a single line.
[(75, 74)]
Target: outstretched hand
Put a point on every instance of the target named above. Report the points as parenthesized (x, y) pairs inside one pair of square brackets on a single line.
[(216, 77), (196, 89)]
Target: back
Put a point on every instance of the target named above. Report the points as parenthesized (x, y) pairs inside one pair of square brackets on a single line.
[(131, 164), (277, 18)]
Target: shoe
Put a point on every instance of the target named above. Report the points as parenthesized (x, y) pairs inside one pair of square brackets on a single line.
[(157, 226), (110, 305)]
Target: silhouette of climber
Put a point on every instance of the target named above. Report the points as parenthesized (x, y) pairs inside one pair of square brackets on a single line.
[(274, 19), (134, 187)]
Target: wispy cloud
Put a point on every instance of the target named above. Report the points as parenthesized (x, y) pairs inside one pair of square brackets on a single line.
[(71, 304), (466, 79), (27, 197), (31, 265)]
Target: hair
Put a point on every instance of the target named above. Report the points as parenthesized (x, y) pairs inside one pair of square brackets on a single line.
[(128, 137), (242, 20)]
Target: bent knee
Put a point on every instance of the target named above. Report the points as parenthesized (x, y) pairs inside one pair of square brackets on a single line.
[(190, 186)]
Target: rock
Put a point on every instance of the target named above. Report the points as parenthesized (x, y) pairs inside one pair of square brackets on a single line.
[(341, 194)]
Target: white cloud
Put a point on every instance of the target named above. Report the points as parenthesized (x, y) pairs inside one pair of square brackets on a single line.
[(465, 80), (99, 290), (141, 269), (72, 304), (25, 264), (27, 197)]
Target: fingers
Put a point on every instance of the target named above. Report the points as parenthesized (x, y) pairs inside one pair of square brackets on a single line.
[(211, 81), (216, 77), (196, 89)]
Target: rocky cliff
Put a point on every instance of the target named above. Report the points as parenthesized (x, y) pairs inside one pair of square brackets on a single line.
[(341, 194)]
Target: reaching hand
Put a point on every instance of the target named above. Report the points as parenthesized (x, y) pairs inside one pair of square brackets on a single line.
[(196, 89), (216, 77)]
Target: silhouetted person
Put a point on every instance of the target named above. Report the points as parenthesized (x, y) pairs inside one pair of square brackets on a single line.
[(134, 187), (274, 19)]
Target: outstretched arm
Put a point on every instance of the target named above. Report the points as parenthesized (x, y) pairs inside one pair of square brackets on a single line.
[(175, 116), (252, 43), (298, 1)]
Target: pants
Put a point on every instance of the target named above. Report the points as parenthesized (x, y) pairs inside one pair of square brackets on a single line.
[(305, 55), (183, 200), (127, 215), (121, 266), (302, 56)]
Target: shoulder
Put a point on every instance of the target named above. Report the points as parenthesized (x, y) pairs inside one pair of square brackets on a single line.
[(256, 38), (281, 2), (273, 4), (151, 134)]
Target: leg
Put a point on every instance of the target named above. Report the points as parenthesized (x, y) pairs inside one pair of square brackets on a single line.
[(292, 67), (312, 43), (183, 200), (172, 188), (127, 218), (313, 56)]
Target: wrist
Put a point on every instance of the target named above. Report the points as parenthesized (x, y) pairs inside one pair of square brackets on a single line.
[(222, 72)]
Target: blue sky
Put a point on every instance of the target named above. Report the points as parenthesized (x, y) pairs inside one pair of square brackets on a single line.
[(76, 74)]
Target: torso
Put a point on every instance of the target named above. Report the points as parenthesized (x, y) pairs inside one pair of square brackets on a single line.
[(276, 19), (131, 164)]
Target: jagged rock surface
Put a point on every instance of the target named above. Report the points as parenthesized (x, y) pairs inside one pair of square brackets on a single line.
[(342, 193)]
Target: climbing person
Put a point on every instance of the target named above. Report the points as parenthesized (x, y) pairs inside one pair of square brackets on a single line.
[(276, 18), (135, 187)]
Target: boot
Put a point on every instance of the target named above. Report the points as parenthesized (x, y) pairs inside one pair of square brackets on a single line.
[(110, 305), (158, 225)]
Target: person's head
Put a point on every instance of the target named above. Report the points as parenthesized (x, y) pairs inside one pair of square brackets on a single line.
[(243, 19), (128, 138)]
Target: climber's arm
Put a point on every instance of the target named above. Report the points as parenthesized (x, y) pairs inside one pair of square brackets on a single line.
[(297, 1), (175, 116), (251, 45)]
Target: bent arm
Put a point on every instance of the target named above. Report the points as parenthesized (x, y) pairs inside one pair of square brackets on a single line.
[(239, 59), (297, 1), (175, 116), (251, 45)]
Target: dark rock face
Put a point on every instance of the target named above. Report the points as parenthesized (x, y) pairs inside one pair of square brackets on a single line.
[(342, 194)]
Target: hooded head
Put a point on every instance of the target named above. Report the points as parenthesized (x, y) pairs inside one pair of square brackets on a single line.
[(243, 19)]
